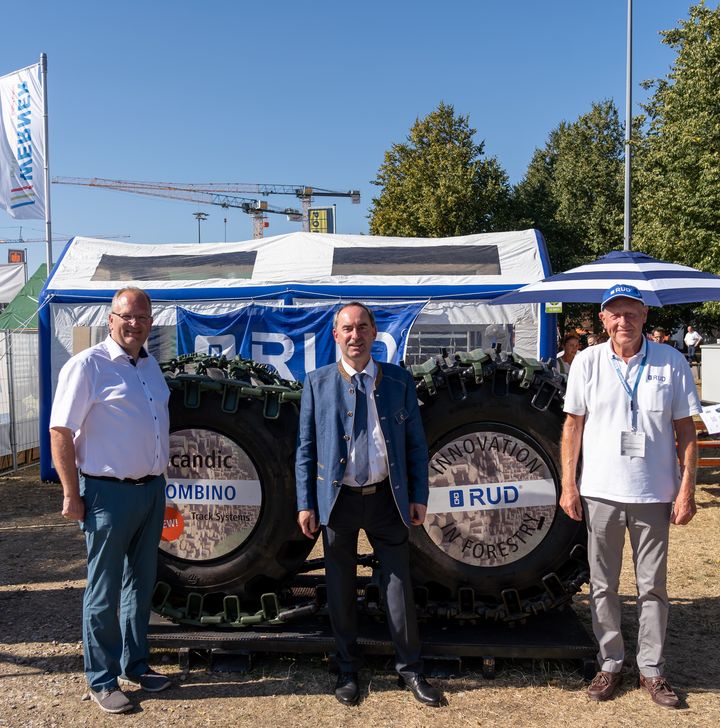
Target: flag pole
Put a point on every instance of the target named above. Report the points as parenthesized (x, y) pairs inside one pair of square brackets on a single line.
[(48, 224), (627, 239)]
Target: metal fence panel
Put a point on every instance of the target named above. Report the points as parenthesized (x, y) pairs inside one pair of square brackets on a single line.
[(19, 399)]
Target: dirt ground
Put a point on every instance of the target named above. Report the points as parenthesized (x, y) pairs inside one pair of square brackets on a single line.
[(41, 678)]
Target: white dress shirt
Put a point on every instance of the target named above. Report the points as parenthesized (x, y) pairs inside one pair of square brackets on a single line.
[(377, 451), (117, 411)]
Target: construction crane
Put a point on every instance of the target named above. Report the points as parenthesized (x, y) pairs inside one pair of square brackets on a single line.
[(224, 194), (21, 256), (304, 193), (257, 209), (20, 240)]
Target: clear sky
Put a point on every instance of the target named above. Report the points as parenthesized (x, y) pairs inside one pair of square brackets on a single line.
[(301, 93)]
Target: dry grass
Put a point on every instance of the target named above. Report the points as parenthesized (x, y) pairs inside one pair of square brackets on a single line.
[(41, 582)]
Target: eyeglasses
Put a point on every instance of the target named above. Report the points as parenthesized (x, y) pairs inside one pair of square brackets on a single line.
[(128, 317)]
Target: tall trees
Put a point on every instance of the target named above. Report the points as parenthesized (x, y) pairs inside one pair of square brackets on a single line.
[(678, 200), (573, 188), (439, 183)]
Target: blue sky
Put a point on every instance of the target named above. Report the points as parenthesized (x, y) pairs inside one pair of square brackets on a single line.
[(301, 93)]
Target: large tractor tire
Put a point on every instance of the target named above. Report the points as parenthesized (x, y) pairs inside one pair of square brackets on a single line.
[(230, 518), (494, 526), (495, 542)]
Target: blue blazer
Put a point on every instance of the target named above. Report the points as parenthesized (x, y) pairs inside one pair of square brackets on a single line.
[(326, 429)]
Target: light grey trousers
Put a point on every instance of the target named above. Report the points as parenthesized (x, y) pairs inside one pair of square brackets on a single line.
[(648, 525)]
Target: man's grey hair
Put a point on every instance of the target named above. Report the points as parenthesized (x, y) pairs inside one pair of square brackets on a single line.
[(354, 303), (130, 289)]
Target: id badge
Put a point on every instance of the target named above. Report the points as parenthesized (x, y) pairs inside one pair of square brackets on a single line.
[(632, 444)]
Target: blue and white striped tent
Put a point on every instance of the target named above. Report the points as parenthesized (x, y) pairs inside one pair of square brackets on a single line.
[(660, 283)]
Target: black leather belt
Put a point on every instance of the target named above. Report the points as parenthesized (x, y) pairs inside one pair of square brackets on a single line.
[(134, 481), (367, 489)]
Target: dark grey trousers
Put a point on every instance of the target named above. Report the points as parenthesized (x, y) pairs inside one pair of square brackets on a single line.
[(378, 516)]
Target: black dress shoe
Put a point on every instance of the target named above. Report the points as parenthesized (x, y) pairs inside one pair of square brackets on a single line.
[(346, 688), (422, 690)]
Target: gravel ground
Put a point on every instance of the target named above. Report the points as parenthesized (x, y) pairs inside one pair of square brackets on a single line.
[(41, 583)]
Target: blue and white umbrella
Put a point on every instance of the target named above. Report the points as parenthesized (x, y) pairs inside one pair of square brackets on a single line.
[(660, 283)]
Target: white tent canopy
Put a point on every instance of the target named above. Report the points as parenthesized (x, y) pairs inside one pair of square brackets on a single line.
[(454, 277), (493, 261)]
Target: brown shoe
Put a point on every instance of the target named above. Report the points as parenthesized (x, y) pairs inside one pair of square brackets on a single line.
[(603, 685), (660, 691)]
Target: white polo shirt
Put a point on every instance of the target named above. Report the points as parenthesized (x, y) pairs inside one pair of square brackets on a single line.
[(118, 412), (692, 338), (377, 450), (666, 392)]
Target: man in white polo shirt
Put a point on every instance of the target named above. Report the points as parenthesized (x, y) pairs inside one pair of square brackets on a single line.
[(626, 402), (692, 342), (109, 433)]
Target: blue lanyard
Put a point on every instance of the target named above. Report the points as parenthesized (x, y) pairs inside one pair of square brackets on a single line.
[(631, 392)]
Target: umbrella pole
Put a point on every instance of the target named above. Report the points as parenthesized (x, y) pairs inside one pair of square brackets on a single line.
[(627, 239)]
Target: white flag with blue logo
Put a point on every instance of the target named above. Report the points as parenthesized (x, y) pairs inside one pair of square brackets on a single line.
[(22, 144)]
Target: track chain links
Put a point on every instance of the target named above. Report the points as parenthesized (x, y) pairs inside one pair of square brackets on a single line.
[(242, 378), (236, 378)]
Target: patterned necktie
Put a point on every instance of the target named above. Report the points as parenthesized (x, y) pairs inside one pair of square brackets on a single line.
[(362, 464)]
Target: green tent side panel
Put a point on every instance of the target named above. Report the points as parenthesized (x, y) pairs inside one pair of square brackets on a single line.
[(21, 312)]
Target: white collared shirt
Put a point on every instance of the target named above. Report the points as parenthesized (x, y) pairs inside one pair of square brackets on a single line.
[(377, 451), (666, 392), (118, 412)]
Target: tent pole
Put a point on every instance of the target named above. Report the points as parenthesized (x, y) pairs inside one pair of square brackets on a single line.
[(627, 239)]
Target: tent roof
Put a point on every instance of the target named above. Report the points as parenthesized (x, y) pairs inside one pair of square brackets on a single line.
[(491, 263), (21, 312)]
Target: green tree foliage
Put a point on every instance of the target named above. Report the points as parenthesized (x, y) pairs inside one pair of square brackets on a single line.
[(439, 183), (678, 165), (573, 189)]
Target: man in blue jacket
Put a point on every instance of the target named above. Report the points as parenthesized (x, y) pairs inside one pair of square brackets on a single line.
[(362, 462)]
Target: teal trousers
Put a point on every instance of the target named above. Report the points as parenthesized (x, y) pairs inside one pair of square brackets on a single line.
[(123, 523)]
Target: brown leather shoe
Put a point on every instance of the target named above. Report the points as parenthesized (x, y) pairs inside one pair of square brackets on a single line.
[(604, 685), (660, 691)]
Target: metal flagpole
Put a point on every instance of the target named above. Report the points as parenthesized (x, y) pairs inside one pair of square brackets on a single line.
[(48, 224), (627, 240)]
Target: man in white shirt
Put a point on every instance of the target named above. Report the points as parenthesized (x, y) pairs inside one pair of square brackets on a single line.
[(692, 341), (109, 434), (626, 402)]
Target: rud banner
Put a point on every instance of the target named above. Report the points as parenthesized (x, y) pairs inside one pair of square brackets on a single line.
[(293, 339), (22, 144)]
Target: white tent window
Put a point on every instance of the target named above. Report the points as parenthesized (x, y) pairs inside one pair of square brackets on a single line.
[(427, 341)]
